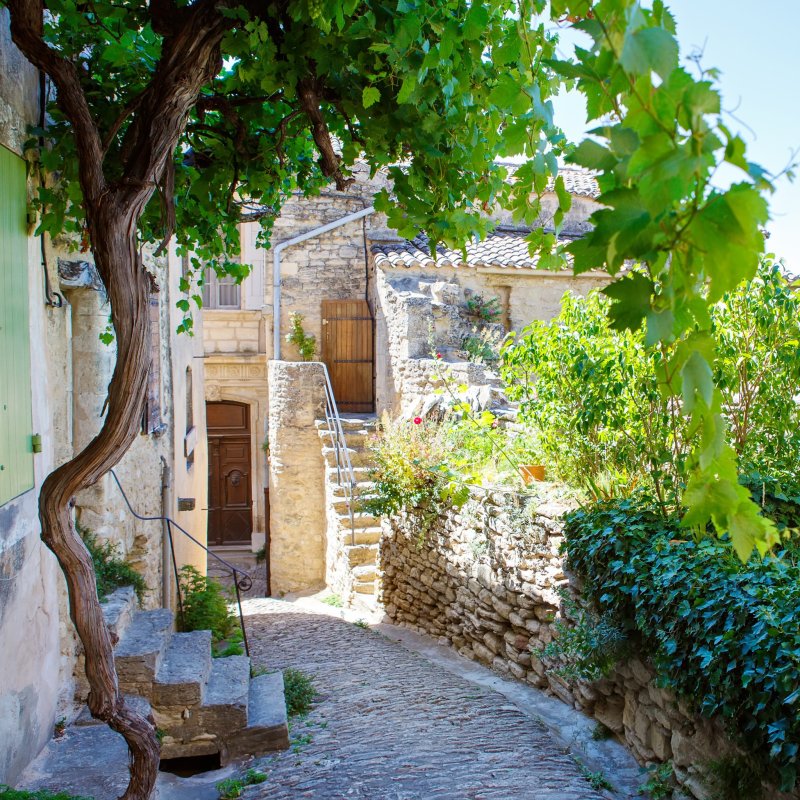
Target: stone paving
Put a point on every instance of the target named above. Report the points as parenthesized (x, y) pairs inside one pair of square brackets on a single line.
[(391, 725)]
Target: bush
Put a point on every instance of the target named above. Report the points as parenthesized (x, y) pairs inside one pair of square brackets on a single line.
[(305, 343), (484, 309), (607, 407), (409, 471), (205, 608), (299, 691), (722, 634), (111, 572)]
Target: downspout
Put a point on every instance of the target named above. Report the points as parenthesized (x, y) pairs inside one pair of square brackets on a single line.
[(276, 268), (166, 563)]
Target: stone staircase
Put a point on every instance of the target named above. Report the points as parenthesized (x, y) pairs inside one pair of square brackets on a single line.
[(352, 553), (202, 706)]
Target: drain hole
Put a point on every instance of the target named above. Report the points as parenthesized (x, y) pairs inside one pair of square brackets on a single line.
[(186, 766)]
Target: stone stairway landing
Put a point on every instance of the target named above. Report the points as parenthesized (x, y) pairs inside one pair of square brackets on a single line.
[(352, 548)]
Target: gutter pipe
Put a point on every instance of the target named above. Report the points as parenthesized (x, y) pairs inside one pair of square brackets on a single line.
[(276, 268)]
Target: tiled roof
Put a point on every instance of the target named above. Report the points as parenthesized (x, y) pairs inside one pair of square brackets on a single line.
[(502, 248), (577, 181)]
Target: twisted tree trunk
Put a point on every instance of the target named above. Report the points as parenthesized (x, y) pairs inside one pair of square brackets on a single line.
[(189, 60)]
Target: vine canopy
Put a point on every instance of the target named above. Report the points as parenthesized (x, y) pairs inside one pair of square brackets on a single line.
[(436, 92)]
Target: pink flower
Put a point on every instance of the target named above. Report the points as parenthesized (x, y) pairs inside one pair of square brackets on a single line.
[(418, 420)]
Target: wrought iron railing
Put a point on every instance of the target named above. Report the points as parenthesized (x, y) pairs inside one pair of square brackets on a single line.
[(242, 580), (345, 476)]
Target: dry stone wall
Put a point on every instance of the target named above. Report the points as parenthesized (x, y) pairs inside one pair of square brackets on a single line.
[(489, 580)]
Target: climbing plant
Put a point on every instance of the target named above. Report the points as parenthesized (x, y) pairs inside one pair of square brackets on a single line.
[(189, 117)]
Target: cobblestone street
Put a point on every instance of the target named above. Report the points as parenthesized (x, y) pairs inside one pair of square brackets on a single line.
[(390, 725)]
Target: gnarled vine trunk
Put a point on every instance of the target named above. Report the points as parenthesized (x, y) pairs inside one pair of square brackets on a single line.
[(189, 60)]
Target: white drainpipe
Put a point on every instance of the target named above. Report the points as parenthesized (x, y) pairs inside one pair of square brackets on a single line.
[(276, 268)]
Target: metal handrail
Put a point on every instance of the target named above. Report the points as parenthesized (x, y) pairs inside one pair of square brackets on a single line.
[(339, 444), (242, 580)]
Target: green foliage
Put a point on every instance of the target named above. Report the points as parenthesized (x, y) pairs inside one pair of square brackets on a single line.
[(660, 783), (231, 788), (305, 343), (482, 346), (589, 647), (601, 733), (7, 793), (410, 470), (721, 633), (205, 608), (299, 691), (333, 600), (596, 779), (599, 398), (484, 309), (111, 572), (735, 778), (436, 92)]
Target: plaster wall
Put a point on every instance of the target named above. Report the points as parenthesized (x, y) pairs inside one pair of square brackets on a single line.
[(32, 669)]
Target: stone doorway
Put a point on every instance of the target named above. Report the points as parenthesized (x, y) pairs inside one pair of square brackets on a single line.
[(230, 492)]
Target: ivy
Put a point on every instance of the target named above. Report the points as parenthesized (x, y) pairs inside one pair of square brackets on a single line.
[(722, 634)]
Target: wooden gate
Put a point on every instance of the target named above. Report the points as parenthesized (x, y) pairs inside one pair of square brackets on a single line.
[(230, 499), (347, 350)]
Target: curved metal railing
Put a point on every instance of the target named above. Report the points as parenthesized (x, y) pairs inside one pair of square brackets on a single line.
[(242, 580)]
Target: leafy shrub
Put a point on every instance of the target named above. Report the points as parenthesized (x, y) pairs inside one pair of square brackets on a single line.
[(205, 608), (605, 403), (409, 470), (722, 634), (660, 783), (589, 648), (484, 309), (305, 343), (299, 691), (735, 778), (482, 346), (111, 572)]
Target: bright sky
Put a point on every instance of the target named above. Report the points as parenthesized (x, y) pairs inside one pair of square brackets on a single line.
[(756, 47)]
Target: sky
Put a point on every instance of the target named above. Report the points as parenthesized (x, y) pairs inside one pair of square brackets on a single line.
[(756, 47)]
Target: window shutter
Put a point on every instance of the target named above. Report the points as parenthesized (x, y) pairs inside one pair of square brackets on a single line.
[(16, 427)]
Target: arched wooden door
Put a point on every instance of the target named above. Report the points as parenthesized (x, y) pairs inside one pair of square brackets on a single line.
[(230, 497)]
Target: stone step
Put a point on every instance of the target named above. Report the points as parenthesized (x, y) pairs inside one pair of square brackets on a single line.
[(362, 488), (267, 726), (341, 507), (119, 609), (362, 536), (139, 654), (226, 694), (361, 474), (365, 574), (358, 457), (364, 587), (362, 555), (349, 423), (181, 678)]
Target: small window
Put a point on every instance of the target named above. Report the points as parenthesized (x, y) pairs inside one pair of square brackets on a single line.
[(221, 293)]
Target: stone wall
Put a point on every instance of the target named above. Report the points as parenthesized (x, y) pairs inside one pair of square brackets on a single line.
[(296, 476), (488, 580)]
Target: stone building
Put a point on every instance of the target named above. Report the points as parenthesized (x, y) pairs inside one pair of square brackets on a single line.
[(55, 371), (376, 305)]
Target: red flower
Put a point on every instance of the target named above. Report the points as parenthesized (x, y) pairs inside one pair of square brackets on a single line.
[(418, 420), (438, 355)]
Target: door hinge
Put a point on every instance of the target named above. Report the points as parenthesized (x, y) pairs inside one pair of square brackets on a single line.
[(36, 442)]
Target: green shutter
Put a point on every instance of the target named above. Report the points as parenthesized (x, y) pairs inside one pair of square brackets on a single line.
[(16, 451)]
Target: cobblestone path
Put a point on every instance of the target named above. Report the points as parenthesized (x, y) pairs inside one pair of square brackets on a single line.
[(390, 725)]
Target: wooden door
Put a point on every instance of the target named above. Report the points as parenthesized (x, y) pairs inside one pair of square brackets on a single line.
[(230, 494), (347, 350)]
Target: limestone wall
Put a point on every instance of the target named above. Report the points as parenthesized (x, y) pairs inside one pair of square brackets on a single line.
[(487, 583), (296, 476), (33, 669)]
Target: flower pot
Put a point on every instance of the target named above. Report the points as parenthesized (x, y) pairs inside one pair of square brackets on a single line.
[(531, 473)]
